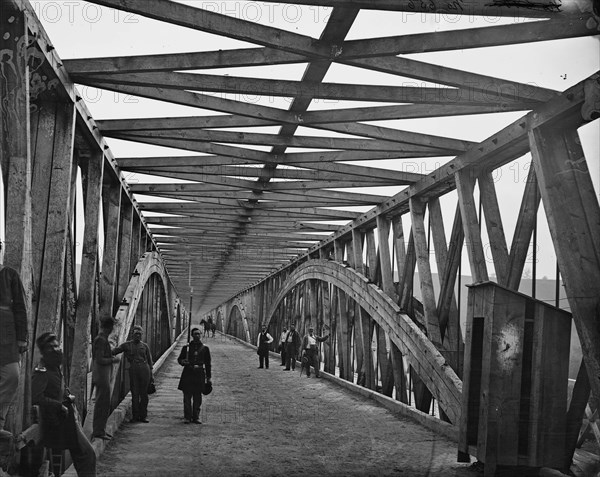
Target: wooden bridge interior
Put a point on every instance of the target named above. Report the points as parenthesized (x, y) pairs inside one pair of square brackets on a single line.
[(324, 178)]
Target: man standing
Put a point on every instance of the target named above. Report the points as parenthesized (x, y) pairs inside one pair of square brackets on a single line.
[(263, 341), (197, 372), (13, 337), (292, 346), (140, 373), (101, 376), (311, 350), (61, 428), (282, 345)]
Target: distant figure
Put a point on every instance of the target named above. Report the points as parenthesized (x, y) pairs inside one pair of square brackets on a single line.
[(61, 428), (310, 348), (197, 371), (13, 337), (262, 342), (282, 345), (101, 377), (292, 347), (140, 373)]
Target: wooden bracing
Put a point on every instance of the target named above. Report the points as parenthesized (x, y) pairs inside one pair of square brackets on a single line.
[(339, 217)]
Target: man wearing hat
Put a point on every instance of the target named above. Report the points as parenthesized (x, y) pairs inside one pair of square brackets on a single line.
[(61, 428), (195, 377), (311, 350), (140, 373), (292, 346), (101, 374)]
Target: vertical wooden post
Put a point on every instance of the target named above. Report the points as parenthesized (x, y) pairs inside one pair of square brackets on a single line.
[(16, 164), (57, 222), (92, 170), (573, 214), (111, 195), (125, 241)]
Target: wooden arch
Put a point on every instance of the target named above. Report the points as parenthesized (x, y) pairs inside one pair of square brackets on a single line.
[(242, 311), (422, 355), (150, 263)]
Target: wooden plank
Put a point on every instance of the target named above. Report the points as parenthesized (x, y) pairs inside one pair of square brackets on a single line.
[(304, 89), (464, 186), (478, 85), (417, 211), (42, 149), (16, 165), (111, 200), (472, 7), (399, 374), (53, 264), (551, 344), (526, 221), (92, 172), (450, 325), (493, 222), (385, 259), (311, 142), (573, 216), (124, 252)]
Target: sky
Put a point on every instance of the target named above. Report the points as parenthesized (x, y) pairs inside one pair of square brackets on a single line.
[(79, 29)]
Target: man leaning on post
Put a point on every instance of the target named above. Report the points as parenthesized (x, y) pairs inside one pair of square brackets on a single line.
[(60, 425)]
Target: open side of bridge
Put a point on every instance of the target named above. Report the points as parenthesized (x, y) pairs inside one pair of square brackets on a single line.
[(253, 238)]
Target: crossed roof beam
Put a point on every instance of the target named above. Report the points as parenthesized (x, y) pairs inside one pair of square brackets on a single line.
[(236, 197)]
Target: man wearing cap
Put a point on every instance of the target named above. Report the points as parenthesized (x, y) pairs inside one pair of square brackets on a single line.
[(311, 350), (292, 346), (101, 374), (60, 425), (196, 374), (140, 373), (13, 337)]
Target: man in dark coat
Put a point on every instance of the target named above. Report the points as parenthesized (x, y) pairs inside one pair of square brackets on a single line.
[(101, 376), (61, 428), (292, 347), (140, 373), (263, 341), (196, 374), (13, 337)]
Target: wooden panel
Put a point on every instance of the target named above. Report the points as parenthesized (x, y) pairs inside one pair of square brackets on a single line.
[(111, 200), (125, 240), (53, 264), (549, 407), (92, 172), (385, 260)]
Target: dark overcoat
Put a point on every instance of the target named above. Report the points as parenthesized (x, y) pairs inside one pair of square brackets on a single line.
[(197, 370), (48, 391)]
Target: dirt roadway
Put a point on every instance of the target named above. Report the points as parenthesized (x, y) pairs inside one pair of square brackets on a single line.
[(260, 422)]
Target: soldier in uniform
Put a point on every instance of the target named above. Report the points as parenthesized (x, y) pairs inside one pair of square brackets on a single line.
[(61, 428), (195, 359), (140, 373), (101, 376)]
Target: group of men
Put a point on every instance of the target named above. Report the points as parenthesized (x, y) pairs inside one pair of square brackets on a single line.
[(291, 347)]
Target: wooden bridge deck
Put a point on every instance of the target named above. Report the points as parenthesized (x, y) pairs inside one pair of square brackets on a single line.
[(270, 422)]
